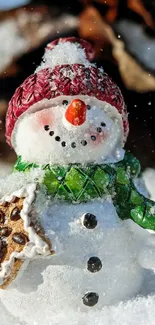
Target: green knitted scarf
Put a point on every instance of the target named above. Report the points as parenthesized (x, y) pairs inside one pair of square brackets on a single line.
[(78, 183)]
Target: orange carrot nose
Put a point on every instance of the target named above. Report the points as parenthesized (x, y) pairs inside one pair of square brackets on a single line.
[(76, 112)]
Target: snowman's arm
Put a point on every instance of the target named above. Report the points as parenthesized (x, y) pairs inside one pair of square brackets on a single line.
[(130, 204)]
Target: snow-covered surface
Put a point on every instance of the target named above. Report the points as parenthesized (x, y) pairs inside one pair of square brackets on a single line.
[(7, 319), (5, 169), (12, 43), (140, 311), (64, 53), (17, 180), (42, 147)]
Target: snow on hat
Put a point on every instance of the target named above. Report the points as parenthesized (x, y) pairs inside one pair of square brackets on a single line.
[(66, 70)]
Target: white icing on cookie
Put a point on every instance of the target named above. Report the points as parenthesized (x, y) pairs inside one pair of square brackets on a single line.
[(36, 245)]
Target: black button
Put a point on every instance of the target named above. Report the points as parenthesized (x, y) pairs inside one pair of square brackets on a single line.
[(94, 264), (89, 221), (90, 299)]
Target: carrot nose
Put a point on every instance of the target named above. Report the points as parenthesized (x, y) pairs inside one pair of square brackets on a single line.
[(76, 112)]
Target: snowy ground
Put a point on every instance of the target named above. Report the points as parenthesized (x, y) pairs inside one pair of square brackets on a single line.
[(138, 311)]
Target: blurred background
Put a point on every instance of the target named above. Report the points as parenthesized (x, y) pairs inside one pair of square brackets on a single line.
[(123, 35)]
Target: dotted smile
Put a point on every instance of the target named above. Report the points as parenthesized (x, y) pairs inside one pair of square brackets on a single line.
[(73, 144)]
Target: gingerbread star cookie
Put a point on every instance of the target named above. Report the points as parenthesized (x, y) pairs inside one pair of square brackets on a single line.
[(21, 235)]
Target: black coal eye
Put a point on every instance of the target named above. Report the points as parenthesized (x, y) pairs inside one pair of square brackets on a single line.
[(63, 143), (65, 102), (103, 124), (88, 107), (46, 127)]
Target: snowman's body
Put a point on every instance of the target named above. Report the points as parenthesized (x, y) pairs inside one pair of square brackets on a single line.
[(67, 276), (110, 241)]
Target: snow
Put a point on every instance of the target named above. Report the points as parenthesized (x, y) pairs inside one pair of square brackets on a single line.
[(17, 180), (64, 53), (13, 43), (7, 319), (5, 169), (140, 311)]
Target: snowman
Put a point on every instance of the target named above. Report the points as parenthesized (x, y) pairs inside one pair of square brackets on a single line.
[(68, 124)]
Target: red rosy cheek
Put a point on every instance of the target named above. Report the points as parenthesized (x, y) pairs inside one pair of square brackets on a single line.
[(43, 118)]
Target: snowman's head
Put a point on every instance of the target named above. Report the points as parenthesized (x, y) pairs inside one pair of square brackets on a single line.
[(70, 113)]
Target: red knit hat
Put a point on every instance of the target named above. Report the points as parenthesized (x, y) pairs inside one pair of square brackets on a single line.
[(65, 79)]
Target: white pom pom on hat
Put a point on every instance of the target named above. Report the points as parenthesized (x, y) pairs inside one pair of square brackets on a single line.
[(69, 50)]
